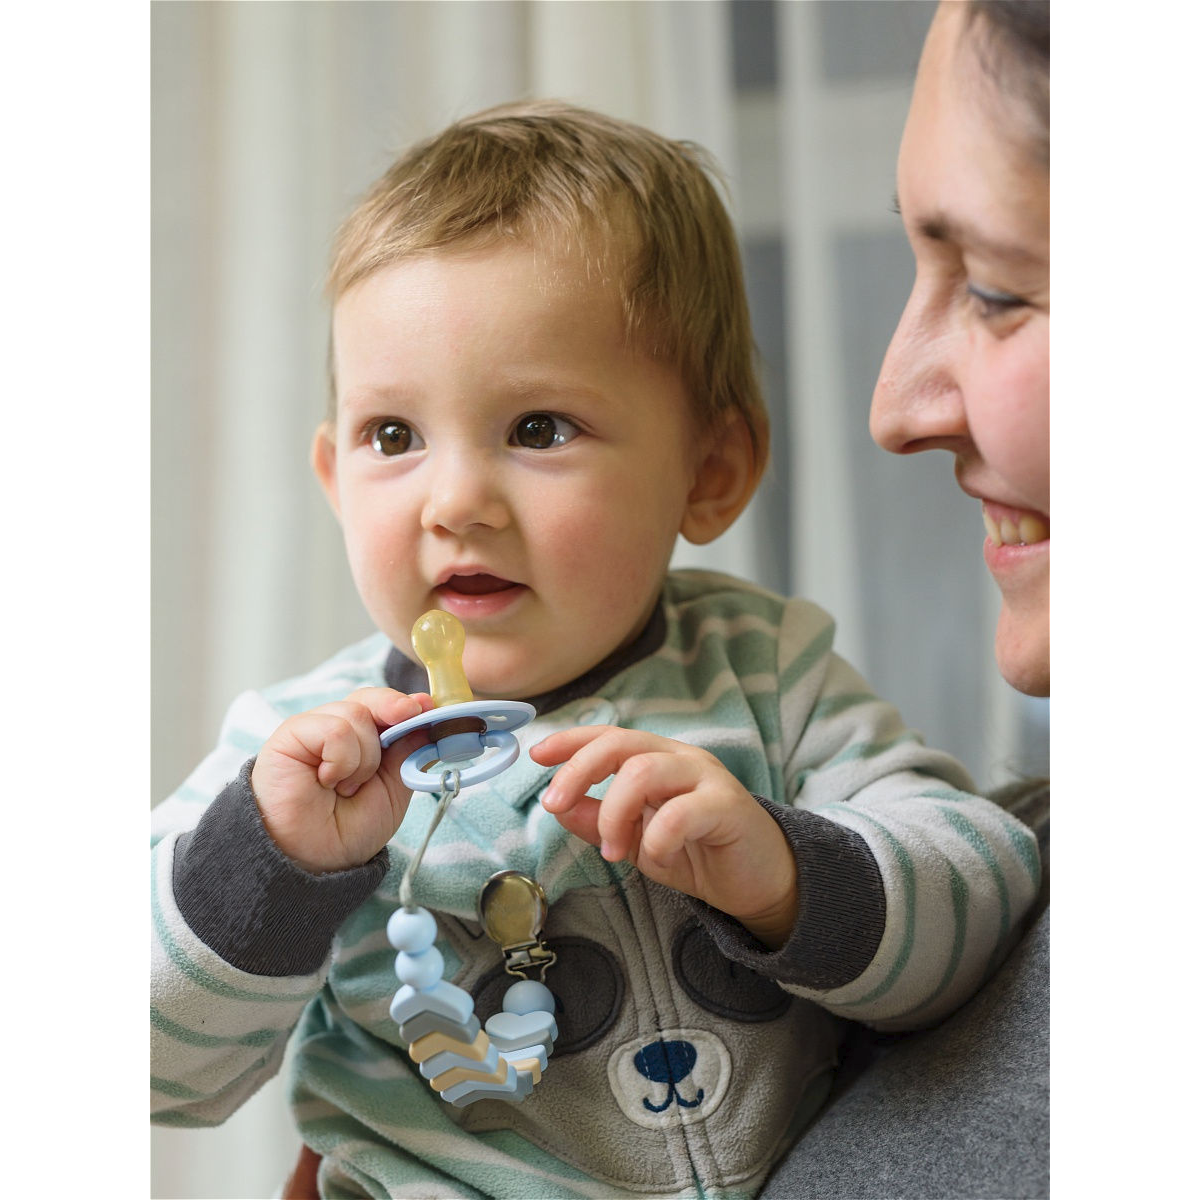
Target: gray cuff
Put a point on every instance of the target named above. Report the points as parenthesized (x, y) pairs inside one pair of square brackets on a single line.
[(841, 911), (250, 903)]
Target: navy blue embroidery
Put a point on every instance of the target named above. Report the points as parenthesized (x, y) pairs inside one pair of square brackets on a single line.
[(669, 1063)]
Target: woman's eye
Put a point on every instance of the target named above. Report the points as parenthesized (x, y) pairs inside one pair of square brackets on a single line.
[(394, 437), (990, 304), (540, 431)]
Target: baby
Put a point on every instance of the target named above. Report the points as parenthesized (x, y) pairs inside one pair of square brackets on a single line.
[(543, 374)]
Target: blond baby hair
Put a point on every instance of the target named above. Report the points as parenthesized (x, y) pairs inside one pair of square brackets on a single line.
[(640, 205)]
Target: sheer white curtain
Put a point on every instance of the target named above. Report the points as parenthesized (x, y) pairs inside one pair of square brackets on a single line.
[(269, 119)]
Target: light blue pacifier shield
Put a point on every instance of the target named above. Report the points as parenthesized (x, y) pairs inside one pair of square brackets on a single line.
[(422, 770)]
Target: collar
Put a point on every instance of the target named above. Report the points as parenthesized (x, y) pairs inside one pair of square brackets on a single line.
[(401, 673)]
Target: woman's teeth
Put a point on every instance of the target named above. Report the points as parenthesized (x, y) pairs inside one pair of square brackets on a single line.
[(1024, 532)]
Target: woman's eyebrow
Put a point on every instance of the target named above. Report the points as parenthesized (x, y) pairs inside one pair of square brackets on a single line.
[(938, 227)]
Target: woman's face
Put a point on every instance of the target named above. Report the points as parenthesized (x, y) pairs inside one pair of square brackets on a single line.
[(968, 366)]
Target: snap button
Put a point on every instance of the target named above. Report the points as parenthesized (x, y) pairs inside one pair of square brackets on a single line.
[(597, 712)]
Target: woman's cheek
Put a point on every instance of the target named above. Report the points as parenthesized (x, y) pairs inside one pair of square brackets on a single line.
[(1011, 421)]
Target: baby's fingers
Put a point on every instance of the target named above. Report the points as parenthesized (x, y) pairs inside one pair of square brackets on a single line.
[(343, 745), (692, 818), (643, 784), (589, 754), (352, 755), (389, 707)]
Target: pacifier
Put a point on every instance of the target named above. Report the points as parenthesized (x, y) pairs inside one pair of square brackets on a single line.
[(462, 730)]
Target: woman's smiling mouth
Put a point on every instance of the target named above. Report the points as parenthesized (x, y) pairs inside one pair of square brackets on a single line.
[(1014, 527)]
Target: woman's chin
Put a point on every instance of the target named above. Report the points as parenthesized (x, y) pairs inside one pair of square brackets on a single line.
[(1023, 651)]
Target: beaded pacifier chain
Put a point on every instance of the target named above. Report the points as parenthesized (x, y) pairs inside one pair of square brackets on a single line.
[(463, 1062)]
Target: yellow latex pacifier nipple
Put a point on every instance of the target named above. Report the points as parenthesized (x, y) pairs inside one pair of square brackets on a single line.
[(438, 638)]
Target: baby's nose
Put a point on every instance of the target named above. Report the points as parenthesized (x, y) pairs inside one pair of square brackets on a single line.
[(463, 494)]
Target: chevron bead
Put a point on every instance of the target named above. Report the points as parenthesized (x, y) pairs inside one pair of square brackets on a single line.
[(443, 998)]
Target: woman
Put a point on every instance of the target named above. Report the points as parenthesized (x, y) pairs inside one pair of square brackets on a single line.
[(968, 367), (962, 1110)]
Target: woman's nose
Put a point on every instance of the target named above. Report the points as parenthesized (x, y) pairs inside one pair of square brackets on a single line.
[(463, 494), (918, 402)]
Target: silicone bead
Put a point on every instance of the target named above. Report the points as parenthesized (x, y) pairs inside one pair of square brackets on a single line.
[(528, 996), (528, 1066), (426, 1047), (436, 1065), (443, 998), (411, 931), (425, 1023), (420, 971), (518, 1031), (526, 1055), (517, 1087)]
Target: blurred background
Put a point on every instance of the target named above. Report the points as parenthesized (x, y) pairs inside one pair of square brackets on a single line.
[(269, 119)]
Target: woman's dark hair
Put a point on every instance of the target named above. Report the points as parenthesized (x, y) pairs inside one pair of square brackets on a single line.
[(1014, 51)]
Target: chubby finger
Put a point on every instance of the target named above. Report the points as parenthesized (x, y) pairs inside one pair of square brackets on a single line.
[(367, 711), (582, 820), (389, 707), (331, 741), (643, 783), (558, 747), (588, 754), (696, 817)]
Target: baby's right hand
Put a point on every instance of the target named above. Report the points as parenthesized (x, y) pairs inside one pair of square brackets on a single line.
[(330, 796)]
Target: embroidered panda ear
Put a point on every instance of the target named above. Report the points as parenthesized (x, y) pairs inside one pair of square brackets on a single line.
[(719, 986), (588, 986)]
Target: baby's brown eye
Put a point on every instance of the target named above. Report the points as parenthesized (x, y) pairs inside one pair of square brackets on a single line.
[(540, 431), (392, 437)]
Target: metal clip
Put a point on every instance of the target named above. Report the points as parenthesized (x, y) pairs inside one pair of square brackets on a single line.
[(512, 910)]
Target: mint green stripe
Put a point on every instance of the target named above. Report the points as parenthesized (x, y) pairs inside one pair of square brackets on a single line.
[(291, 704), (967, 831), (859, 751), (951, 794), (191, 795), (529, 1155), (247, 743), (959, 893), (180, 1119), (196, 974), (177, 1091), (1024, 843), (817, 649), (908, 879), (833, 706), (258, 1038)]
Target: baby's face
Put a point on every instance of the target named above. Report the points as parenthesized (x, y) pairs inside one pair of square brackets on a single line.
[(501, 454)]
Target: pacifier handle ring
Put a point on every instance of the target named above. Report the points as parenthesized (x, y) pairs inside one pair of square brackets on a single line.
[(509, 714), (418, 779)]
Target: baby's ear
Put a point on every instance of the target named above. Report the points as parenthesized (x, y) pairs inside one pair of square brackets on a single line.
[(324, 464), (725, 479)]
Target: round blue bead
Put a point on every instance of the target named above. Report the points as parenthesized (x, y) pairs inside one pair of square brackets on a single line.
[(528, 996), (421, 971), (412, 931)]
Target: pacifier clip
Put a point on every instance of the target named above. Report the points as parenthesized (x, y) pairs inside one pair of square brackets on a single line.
[(463, 1061)]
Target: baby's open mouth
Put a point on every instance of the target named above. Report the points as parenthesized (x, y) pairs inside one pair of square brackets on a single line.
[(476, 585)]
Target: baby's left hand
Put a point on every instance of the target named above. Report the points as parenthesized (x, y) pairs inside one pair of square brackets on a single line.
[(679, 816)]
